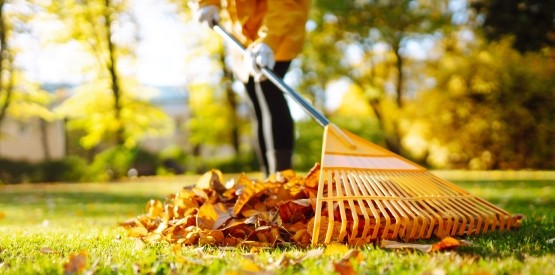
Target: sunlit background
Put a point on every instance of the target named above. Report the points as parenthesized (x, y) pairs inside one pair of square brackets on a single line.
[(451, 84)]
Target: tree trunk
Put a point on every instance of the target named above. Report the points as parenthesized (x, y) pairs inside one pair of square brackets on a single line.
[(400, 75), (112, 70), (43, 125), (394, 140), (232, 102), (5, 60)]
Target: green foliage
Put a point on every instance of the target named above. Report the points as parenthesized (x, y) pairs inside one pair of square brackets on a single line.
[(530, 22), (30, 101), (70, 169), (308, 145), (91, 109), (116, 162), (366, 26), (209, 124), (244, 162), (491, 108)]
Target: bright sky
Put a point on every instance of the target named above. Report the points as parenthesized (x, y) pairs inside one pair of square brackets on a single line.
[(160, 53)]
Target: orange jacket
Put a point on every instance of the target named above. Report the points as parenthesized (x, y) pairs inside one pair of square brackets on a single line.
[(278, 23)]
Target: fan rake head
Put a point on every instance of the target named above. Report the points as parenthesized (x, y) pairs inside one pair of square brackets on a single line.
[(367, 193)]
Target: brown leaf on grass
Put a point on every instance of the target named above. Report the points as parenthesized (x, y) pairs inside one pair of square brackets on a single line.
[(295, 210), (287, 260), (212, 179), (249, 190), (446, 243), (47, 250), (210, 237), (350, 257), (76, 263), (279, 210), (247, 213), (154, 208), (212, 216), (324, 225), (388, 244), (313, 177), (344, 268), (353, 255), (189, 236), (248, 265), (516, 220), (302, 237), (335, 249), (245, 190), (137, 232)]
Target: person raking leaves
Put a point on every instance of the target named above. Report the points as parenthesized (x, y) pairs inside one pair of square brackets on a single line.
[(273, 32)]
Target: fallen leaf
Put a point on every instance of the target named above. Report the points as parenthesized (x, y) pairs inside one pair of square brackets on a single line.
[(387, 244), (76, 263), (212, 216), (335, 249), (136, 268), (212, 180), (137, 232), (352, 255), (313, 176), (446, 243), (281, 210), (314, 253), (210, 237), (248, 265), (344, 268), (47, 250), (154, 208), (139, 244), (2, 215), (245, 190)]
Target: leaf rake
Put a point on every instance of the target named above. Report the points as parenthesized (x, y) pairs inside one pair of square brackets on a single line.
[(366, 192)]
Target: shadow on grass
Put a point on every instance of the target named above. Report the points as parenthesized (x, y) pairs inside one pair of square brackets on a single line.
[(72, 198), (529, 240)]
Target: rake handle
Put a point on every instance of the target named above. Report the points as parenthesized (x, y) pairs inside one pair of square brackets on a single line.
[(270, 75)]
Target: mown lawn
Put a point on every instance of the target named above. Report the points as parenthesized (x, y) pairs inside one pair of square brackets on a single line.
[(42, 226)]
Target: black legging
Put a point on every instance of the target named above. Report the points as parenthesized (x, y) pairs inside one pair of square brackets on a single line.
[(274, 124)]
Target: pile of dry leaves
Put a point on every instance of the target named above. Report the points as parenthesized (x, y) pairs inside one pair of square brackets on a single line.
[(242, 212)]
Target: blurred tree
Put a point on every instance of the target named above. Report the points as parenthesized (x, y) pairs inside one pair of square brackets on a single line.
[(21, 99), (490, 108), (6, 63), (321, 56), (111, 105), (375, 38), (215, 116), (530, 22)]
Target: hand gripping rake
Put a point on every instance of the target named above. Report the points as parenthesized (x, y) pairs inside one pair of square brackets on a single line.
[(366, 192)]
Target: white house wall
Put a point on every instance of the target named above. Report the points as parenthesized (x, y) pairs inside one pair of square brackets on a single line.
[(22, 141)]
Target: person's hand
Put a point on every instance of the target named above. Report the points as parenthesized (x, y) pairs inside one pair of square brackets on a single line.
[(208, 14), (257, 56)]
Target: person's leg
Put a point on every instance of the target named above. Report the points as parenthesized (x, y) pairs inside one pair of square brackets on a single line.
[(275, 126), (260, 149)]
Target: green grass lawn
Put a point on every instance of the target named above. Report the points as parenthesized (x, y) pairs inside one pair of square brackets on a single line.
[(43, 225)]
